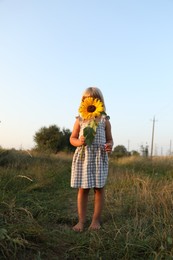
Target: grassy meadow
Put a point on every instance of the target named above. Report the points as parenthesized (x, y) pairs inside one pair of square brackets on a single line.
[(38, 209)]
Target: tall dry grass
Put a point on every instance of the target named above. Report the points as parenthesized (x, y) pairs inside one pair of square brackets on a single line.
[(139, 197), (38, 210)]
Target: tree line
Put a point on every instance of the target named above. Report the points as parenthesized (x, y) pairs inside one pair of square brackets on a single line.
[(52, 139)]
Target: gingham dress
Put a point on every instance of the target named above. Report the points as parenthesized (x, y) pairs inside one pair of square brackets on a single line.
[(90, 163)]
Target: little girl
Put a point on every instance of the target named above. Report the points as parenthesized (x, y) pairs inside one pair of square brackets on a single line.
[(90, 161)]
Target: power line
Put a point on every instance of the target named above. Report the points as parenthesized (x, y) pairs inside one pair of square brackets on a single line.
[(170, 147), (152, 139)]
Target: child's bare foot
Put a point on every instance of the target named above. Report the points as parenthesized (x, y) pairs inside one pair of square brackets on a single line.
[(95, 225), (79, 227)]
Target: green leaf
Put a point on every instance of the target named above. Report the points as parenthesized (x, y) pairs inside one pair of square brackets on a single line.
[(93, 124), (89, 135), (103, 113)]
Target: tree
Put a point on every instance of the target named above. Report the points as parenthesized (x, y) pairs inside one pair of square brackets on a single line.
[(120, 151), (52, 139), (135, 153), (66, 143)]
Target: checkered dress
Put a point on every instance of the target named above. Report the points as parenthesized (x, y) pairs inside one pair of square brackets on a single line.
[(90, 163)]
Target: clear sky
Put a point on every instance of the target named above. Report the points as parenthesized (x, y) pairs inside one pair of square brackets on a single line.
[(51, 51)]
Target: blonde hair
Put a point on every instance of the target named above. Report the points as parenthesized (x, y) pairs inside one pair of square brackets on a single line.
[(95, 93)]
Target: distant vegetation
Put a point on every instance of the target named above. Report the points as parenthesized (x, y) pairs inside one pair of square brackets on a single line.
[(53, 140), (38, 209)]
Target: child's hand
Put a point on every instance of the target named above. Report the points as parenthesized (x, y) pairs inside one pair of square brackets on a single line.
[(82, 140), (108, 147)]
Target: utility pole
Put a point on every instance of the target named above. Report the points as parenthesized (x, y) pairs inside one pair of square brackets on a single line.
[(161, 151), (170, 148), (152, 140), (128, 148)]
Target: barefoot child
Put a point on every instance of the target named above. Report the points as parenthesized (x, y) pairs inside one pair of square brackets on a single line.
[(92, 138)]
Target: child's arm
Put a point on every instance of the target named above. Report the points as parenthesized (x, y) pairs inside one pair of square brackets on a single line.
[(74, 138), (109, 139)]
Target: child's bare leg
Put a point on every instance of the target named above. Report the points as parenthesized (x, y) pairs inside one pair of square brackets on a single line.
[(82, 200), (98, 206)]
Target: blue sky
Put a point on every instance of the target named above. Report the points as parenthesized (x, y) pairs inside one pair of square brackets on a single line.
[(50, 51)]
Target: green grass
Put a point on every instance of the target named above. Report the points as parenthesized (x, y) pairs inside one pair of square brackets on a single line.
[(38, 210)]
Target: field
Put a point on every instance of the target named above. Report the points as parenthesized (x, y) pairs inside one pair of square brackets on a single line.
[(38, 210)]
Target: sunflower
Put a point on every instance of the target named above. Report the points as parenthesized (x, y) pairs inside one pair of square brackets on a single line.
[(90, 108)]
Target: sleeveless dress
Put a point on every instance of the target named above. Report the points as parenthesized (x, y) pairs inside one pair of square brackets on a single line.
[(90, 163)]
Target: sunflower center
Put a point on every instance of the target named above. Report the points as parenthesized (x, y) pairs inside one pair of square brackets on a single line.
[(91, 108)]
